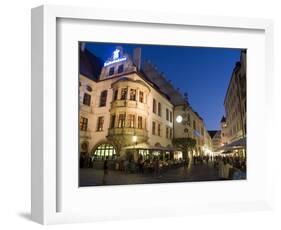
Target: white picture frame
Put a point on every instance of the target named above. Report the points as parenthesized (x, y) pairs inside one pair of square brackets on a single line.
[(45, 163)]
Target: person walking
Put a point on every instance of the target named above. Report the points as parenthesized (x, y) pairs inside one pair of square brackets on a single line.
[(226, 169), (105, 171)]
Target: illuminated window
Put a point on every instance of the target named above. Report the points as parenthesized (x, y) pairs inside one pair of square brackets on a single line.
[(131, 121), (100, 123), (103, 98), (87, 99), (121, 121), (141, 97), (124, 94), (111, 71), (83, 123), (104, 151), (133, 94), (139, 122), (120, 68)]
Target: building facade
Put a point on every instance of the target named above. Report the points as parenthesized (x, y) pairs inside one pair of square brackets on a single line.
[(234, 125), (124, 112)]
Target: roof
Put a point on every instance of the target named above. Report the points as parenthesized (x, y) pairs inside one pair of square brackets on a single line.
[(89, 65), (212, 133)]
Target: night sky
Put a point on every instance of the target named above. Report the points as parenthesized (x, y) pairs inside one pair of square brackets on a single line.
[(204, 73)]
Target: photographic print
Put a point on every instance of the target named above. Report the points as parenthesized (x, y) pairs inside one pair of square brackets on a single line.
[(161, 114)]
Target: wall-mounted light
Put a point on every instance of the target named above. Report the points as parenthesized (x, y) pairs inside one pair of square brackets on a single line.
[(179, 119)]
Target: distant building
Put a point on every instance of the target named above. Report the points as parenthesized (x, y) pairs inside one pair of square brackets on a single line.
[(224, 131), (125, 110), (216, 140)]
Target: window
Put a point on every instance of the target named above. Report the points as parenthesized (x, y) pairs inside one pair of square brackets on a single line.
[(111, 71), (87, 99), (159, 109), (124, 94), (133, 94), (139, 122), (83, 124), (103, 97), (154, 106), (131, 121), (100, 123), (171, 116), (115, 95), (153, 128), (159, 130), (120, 68), (141, 97), (104, 151), (194, 125), (121, 121), (112, 124), (188, 119), (171, 133), (167, 114), (167, 132)]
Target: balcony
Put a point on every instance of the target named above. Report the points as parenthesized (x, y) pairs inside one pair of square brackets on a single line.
[(128, 131), (124, 136), (129, 104)]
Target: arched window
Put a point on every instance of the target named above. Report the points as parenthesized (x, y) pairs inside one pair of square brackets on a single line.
[(103, 97), (105, 150)]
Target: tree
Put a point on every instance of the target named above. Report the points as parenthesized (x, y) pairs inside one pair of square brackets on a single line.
[(185, 144)]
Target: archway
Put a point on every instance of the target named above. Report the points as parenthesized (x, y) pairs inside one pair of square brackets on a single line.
[(103, 151)]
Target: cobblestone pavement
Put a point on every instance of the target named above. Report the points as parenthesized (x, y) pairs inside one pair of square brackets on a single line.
[(94, 177)]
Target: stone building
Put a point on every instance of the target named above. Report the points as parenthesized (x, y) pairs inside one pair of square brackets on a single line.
[(126, 111), (235, 109)]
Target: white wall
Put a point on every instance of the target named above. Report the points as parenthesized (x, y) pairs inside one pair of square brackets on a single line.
[(15, 113)]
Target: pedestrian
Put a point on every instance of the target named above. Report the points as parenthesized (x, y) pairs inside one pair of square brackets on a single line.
[(220, 166), (156, 167), (226, 169), (105, 171)]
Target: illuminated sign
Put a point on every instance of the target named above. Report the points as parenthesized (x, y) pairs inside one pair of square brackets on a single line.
[(116, 58), (116, 54)]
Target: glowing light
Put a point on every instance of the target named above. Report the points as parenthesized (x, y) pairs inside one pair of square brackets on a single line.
[(135, 138), (115, 61), (179, 119), (116, 54), (116, 58)]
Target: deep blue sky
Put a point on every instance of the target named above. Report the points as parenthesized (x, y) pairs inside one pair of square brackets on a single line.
[(203, 73)]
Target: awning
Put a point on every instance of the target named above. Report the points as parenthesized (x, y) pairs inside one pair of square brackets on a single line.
[(156, 148), (238, 144)]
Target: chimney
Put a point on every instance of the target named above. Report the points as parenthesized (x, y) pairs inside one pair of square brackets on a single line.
[(137, 58), (82, 46)]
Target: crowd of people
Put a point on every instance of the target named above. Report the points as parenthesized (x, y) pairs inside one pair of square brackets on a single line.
[(229, 167)]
